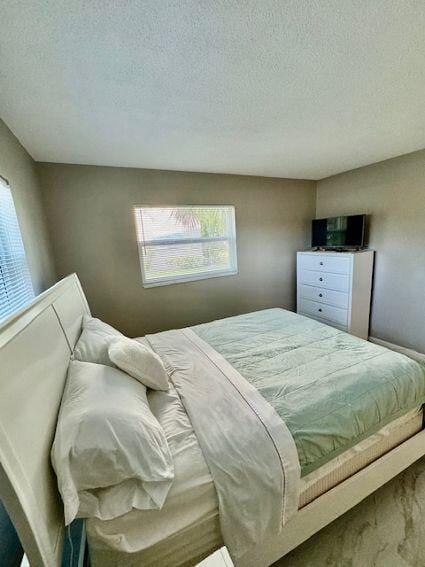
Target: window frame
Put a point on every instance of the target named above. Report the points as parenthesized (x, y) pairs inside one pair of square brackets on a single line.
[(14, 305), (170, 280)]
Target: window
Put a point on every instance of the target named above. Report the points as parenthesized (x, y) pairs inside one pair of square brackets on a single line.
[(180, 244), (15, 282)]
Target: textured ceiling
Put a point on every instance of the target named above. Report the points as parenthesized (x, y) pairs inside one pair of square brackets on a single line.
[(282, 88)]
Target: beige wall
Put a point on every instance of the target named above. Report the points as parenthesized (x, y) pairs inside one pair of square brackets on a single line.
[(92, 231), (17, 166), (392, 192)]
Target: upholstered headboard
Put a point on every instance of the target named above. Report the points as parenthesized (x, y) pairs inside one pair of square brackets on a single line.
[(35, 347)]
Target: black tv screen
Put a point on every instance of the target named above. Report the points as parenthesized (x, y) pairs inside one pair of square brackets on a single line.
[(339, 232)]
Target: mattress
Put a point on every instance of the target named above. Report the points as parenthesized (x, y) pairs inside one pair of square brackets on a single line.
[(362, 454), (330, 388), (187, 527)]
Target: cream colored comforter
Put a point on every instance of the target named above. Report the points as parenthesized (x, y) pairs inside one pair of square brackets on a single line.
[(249, 450)]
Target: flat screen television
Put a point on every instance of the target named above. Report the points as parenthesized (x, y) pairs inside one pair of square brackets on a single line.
[(339, 232)]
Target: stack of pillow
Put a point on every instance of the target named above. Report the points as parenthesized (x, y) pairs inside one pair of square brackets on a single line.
[(110, 454)]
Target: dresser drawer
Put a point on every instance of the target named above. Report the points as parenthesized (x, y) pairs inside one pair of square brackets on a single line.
[(328, 296), (326, 312), (324, 263), (336, 282)]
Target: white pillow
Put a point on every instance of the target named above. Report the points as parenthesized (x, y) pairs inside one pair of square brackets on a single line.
[(110, 454), (139, 361), (92, 346)]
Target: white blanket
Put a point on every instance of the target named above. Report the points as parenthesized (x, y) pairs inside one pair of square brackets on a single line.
[(249, 450)]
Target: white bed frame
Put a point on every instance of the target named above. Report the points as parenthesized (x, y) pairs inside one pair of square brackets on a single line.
[(35, 347)]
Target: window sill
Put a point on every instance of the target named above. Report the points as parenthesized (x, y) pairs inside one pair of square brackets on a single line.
[(189, 279)]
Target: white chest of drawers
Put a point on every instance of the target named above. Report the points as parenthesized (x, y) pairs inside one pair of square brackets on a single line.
[(335, 288)]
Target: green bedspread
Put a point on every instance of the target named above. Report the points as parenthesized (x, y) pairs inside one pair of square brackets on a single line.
[(331, 389)]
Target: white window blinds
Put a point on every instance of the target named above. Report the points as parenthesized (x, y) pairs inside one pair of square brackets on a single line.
[(178, 244), (15, 282)]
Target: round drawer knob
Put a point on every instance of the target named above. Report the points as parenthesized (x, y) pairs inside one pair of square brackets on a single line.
[(320, 310), (320, 294), (320, 279)]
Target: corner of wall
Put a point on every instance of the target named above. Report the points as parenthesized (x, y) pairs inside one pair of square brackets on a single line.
[(47, 229)]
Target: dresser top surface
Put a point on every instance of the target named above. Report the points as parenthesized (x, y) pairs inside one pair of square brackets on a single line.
[(336, 253)]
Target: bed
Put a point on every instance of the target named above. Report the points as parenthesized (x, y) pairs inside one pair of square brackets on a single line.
[(337, 472)]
